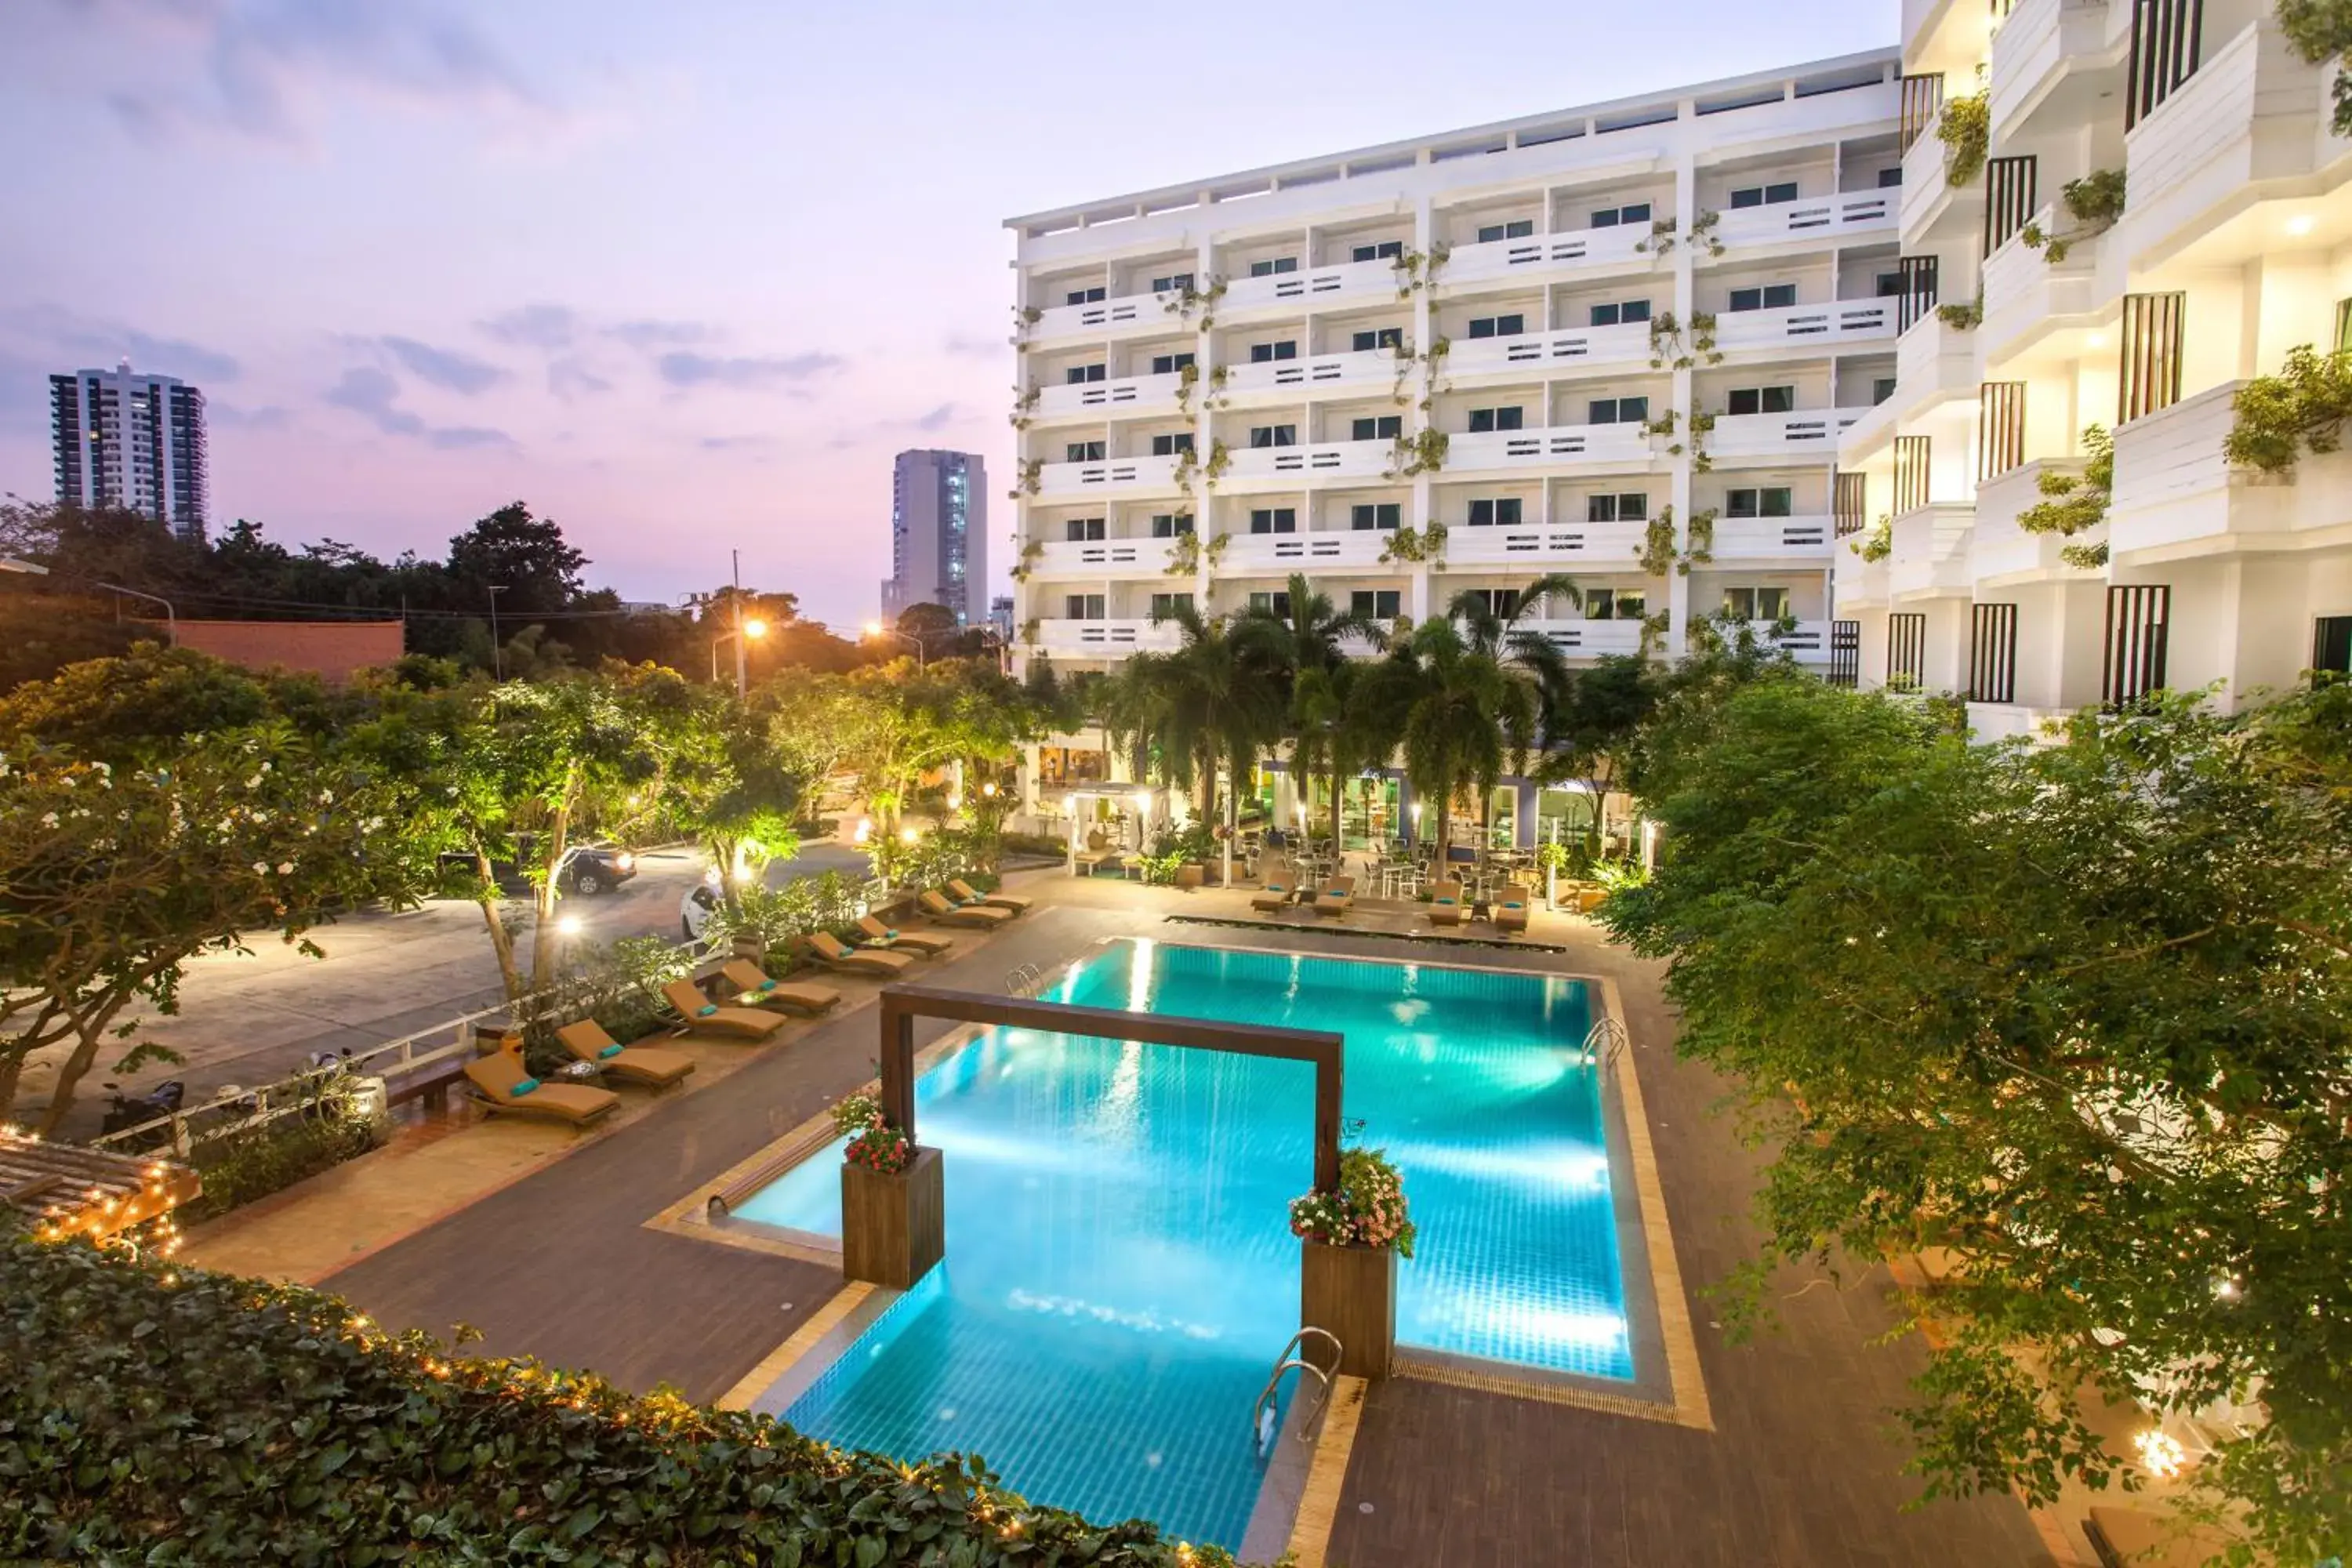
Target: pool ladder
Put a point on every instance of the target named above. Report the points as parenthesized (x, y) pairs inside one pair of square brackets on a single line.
[(1294, 1354), (1023, 980), (1604, 1040)]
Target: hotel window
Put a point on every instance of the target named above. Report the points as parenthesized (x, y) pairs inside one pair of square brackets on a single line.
[(1084, 530), (1169, 364), (1615, 604), (1079, 373), (1890, 178), (2331, 644), (1764, 196), (1265, 435), (1626, 506), (1083, 452), (1379, 603), (1261, 354), (1502, 513), (1174, 283), (1517, 229), (1768, 297), (1083, 607), (1273, 520), (1382, 338), (1628, 310), (1169, 524), (1169, 446), (1892, 285), (1369, 516), (1278, 264), (1084, 297), (1381, 427), (1632, 212), (1166, 604), (1504, 603), (1273, 604), (1486, 420), (1383, 251), (1762, 400), (1498, 326), (1765, 502), (1881, 388), (1616, 410), (1756, 603)]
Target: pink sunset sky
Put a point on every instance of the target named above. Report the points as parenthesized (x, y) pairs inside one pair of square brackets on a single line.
[(683, 276)]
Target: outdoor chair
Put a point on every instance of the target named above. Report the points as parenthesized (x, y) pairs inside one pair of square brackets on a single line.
[(1445, 904), (649, 1064), (1510, 908), (963, 893), (1272, 895), (756, 989), (706, 1016), (828, 951), (882, 937), (507, 1089), (1338, 899), (938, 909)]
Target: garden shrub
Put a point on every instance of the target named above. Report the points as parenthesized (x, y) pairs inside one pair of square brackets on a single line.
[(237, 1168), (173, 1415)]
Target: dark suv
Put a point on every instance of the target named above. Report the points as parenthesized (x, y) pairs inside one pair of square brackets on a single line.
[(589, 869)]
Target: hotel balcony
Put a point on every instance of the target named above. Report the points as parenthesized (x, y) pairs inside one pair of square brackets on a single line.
[(1133, 396), (1278, 554), (2000, 553), (2175, 498), (1933, 208), (1265, 381), (1782, 539), (1283, 294), (1115, 476), (1807, 433), (1129, 316), (1105, 639), (1930, 560), (1577, 348), (1857, 583), (2053, 53), (2027, 295), (1855, 215), (1097, 557), (2253, 111), (1259, 469), (1502, 451), (1544, 546), (1935, 363), (1805, 326), (1543, 258), (1807, 642), (1590, 638)]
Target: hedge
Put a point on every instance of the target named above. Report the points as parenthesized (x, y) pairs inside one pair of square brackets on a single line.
[(170, 1415)]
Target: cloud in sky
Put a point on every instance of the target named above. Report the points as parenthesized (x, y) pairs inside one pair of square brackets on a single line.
[(744, 373), (970, 345), (373, 395), (549, 327), (569, 378), (938, 419), (651, 335), (95, 342), (445, 368), (263, 70), (270, 417), (735, 443)]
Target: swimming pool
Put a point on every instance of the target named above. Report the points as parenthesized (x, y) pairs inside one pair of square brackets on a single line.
[(1119, 1272)]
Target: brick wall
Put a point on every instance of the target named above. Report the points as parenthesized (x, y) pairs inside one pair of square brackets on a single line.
[(333, 650)]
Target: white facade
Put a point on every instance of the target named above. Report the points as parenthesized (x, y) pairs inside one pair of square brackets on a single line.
[(2233, 245), (939, 535), (1240, 357), (133, 441)]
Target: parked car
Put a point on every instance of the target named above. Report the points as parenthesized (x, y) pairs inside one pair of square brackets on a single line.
[(588, 869)]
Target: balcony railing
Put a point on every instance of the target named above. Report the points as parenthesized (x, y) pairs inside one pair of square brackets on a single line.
[(1931, 552), (1098, 557), (2000, 551), (1545, 544), (2175, 493), (1809, 430), (1283, 379), (1857, 583), (1107, 638), (1107, 399), (1839, 322), (1772, 537), (1117, 476), (1591, 638), (1856, 212), (1807, 642), (1934, 361), (2025, 291), (1127, 316), (2039, 42), (1533, 353), (1322, 288), (1539, 255), (1249, 553), (1288, 467), (1926, 195), (2253, 111), (1486, 452)]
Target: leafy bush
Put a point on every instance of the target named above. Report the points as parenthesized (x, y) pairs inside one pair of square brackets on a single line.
[(777, 916), (1032, 844), (2075, 503), (2281, 417), (1965, 128), (1160, 870), (240, 1167), (619, 986), (873, 1141), (166, 1414), (1369, 1209)]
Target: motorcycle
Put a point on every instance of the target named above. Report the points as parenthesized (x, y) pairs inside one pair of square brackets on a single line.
[(126, 1111)]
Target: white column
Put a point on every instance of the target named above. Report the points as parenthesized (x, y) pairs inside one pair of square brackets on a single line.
[(1678, 595), (1420, 590)]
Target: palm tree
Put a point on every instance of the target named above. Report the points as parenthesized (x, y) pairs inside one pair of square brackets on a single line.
[(1302, 644), (1211, 701), (1525, 655)]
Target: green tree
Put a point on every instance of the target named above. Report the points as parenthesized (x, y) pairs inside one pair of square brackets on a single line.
[(1595, 717), (526, 556), (1215, 700), (1304, 642), (2074, 1017)]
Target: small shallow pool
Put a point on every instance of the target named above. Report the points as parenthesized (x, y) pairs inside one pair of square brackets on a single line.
[(1120, 1273)]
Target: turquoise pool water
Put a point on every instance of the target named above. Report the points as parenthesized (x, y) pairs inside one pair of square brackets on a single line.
[(1120, 1273)]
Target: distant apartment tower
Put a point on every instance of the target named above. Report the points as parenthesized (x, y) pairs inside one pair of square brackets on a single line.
[(938, 534), (132, 441)]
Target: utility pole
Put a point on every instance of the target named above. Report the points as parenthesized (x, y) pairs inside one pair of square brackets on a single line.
[(742, 678), (497, 656)]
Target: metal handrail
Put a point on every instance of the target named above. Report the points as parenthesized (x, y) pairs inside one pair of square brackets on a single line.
[(1023, 979), (1283, 1363), (1604, 1040)]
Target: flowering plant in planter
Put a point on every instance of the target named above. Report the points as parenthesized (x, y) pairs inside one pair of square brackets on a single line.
[(1369, 1209), (873, 1143)]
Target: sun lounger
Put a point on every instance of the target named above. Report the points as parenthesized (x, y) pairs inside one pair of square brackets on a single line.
[(939, 910), (1510, 906), (857, 961), (1337, 898), (649, 1064), (1445, 905), (1272, 895), (755, 989), (963, 893), (705, 1017), (882, 937), (508, 1090)]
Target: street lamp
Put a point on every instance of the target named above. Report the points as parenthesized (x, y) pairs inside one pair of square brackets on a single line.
[(171, 617), (877, 630), (755, 628)]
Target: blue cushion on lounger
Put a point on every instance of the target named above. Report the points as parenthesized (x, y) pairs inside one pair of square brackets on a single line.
[(609, 1052), (768, 984), (704, 1011), (523, 1086), (1445, 901)]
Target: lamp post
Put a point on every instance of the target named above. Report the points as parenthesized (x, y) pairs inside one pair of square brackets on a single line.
[(498, 657), (170, 620), (877, 630), (754, 628)]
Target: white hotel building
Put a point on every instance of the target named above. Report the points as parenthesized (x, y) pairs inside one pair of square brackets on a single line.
[(2234, 245), (1217, 376)]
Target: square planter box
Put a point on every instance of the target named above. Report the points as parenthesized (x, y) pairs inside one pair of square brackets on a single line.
[(1351, 1291), (1190, 875), (893, 1227)]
